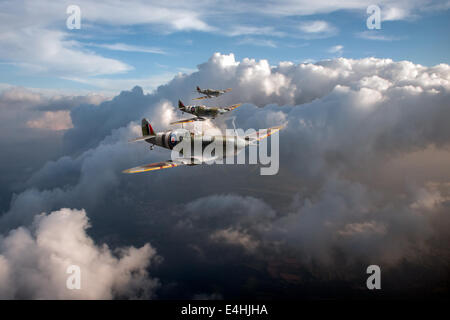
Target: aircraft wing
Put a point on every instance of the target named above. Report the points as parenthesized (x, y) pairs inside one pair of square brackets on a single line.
[(154, 166), (142, 138), (234, 106), (227, 90), (201, 98), (188, 120), (163, 165), (262, 134)]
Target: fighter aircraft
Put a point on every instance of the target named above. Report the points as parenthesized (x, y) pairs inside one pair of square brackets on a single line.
[(172, 138), (203, 112), (210, 93)]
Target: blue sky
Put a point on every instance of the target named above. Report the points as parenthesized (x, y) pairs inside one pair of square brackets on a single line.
[(122, 44)]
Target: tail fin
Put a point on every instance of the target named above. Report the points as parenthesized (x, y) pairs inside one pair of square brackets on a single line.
[(198, 89), (180, 104), (147, 129)]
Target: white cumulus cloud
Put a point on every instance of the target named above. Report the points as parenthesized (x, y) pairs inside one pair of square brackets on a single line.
[(363, 170), (34, 262)]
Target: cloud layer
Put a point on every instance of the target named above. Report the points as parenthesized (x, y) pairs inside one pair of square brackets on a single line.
[(34, 38), (34, 260), (363, 179)]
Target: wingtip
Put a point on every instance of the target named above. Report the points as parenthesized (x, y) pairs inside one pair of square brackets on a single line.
[(234, 106), (281, 126)]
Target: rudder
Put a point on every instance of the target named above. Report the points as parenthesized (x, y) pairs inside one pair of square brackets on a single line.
[(147, 129)]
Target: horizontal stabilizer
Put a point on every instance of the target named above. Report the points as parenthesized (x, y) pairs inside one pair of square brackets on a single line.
[(142, 138)]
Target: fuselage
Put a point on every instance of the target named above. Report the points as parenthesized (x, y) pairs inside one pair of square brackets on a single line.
[(210, 92), (204, 111), (183, 139)]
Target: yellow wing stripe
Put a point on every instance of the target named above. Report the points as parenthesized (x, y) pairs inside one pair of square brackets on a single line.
[(268, 132), (234, 106), (151, 167), (185, 121)]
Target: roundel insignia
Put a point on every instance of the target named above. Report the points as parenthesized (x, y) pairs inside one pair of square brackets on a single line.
[(192, 109), (172, 139)]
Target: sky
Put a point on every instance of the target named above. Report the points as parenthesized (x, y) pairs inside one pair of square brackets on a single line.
[(146, 43), (363, 175)]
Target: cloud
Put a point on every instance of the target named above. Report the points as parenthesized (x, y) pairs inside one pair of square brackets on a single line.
[(114, 86), (375, 35), (363, 177), (317, 29), (177, 16), (258, 42), (315, 26), (336, 49), (360, 228), (235, 237), (34, 123), (395, 13), (340, 223), (240, 30), (34, 260), (128, 48), (395, 9), (34, 40), (57, 120), (40, 110), (46, 51)]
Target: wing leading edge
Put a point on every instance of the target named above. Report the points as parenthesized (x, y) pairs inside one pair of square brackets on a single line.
[(188, 120), (154, 166), (166, 164), (232, 107), (262, 134), (252, 138)]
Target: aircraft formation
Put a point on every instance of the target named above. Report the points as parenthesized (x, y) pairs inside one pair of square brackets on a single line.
[(171, 138), (210, 93), (202, 112)]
